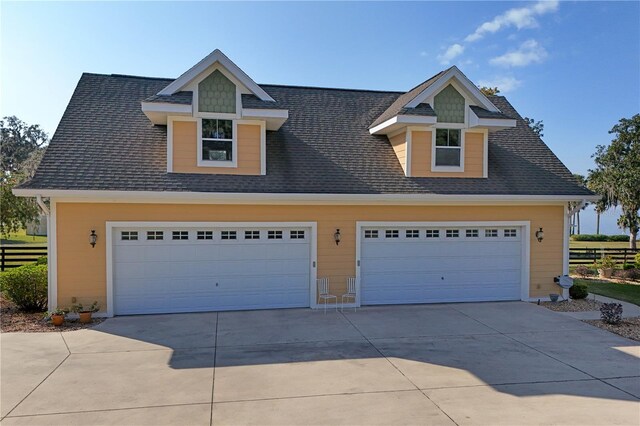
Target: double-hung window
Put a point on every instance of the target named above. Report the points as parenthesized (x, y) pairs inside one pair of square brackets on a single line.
[(217, 140), (448, 148)]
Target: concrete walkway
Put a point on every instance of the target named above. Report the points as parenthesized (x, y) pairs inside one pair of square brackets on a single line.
[(629, 310), (477, 363)]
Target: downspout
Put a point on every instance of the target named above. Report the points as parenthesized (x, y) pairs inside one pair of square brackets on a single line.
[(45, 210)]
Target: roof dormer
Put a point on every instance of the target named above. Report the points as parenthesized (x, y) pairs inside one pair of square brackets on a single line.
[(215, 86)]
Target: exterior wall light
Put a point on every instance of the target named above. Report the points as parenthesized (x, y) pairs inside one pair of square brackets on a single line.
[(337, 236), (93, 238), (540, 235)]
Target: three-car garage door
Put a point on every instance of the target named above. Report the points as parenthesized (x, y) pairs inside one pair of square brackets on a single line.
[(165, 269), (427, 264)]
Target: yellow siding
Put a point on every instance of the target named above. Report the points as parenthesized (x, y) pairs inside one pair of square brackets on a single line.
[(421, 156), (185, 147), (82, 269), (399, 144)]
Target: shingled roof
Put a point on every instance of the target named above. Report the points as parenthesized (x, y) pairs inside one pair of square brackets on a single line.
[(105, 142)]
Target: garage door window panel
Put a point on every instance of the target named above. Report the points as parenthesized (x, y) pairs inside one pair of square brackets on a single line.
[(180, 235), (155, 235), (204, 235), (129, 235), (228, 235)]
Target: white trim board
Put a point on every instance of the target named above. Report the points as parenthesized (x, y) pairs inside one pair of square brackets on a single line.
[(526, 245), (168, 197), (313, 247)]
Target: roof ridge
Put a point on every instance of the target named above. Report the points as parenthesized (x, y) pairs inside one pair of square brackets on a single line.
[(330, 88)]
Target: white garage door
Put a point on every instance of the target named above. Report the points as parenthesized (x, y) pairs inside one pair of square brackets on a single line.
[(184, 269), (440, 264)]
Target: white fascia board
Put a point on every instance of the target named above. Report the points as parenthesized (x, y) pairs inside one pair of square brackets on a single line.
[(392, 123), (270, 198), (169, 108), (501, 123), (443, 80), (212, 58), (265, 113)]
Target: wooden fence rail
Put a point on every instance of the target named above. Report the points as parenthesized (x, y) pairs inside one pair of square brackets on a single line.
[(586, 256), (14, 256)]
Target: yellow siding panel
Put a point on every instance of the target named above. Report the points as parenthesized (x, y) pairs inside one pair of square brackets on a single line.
[(399, 144)]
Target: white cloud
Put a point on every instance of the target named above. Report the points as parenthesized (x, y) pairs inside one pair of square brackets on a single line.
[(522, 17), (451, 53), (528, 52), (506, 84)]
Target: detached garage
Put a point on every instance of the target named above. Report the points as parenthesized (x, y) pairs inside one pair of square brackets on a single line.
[(191, 267), (430, 263)]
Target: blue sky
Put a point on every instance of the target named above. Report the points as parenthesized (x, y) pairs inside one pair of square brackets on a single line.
[(574, 65)]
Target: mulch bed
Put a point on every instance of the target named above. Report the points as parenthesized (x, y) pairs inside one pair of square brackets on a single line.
[(629, 327), (578, 305), (13, 320)]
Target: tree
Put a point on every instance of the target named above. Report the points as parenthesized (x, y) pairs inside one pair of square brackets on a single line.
[(616, 176), (17, 141), (21, 149), (489, 91), (575, 219), (536, 126)]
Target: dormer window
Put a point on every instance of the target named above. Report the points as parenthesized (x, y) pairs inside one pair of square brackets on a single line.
[(217, 142), (448, 148)]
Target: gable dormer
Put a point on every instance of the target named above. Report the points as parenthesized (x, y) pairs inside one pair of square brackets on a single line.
[(217, 118), (441, 127)]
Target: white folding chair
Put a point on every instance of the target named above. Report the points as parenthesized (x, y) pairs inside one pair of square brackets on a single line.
[(351, 292), (323, 293)]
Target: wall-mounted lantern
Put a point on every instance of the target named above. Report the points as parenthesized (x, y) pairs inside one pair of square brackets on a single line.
[(93, 238), (540, 235), (337, 236)]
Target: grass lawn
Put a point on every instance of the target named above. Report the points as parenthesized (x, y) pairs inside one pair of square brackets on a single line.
[(598, 244), (627, 292), (21, 237)]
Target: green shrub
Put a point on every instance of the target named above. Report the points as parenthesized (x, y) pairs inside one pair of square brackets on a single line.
[(578, 291), (26, 286), (626, 266), (637, 260), (42, 260), (589, 237), (620, 238)]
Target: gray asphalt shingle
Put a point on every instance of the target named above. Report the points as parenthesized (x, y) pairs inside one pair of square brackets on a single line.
[(105, 142)]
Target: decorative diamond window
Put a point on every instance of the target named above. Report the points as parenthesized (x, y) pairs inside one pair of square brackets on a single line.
[(217, 140)]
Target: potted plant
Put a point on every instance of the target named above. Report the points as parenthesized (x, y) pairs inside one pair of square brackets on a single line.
[(605, 266), (85, 313), (57, 316)]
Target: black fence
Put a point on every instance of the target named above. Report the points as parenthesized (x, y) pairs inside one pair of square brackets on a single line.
[(586, 256), (14, 256)]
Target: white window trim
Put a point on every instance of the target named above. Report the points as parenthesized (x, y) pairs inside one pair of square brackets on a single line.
[(447, 169), (234, 146)]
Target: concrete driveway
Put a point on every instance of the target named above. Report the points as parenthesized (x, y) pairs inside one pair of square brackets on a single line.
[(479, 363)]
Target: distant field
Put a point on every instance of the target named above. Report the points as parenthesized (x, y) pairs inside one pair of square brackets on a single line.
[(21, 237), (598, 244)]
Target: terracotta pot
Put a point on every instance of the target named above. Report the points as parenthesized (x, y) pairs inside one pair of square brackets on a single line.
[(57, 320), (85, 317), (605, 273)]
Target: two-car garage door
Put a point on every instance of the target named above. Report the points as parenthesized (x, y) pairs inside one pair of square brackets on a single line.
[(164, 269), (427, 264)]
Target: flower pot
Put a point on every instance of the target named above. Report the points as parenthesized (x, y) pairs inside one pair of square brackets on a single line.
[(554, 297), (85, 317), (57, 320), (605, 272)]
